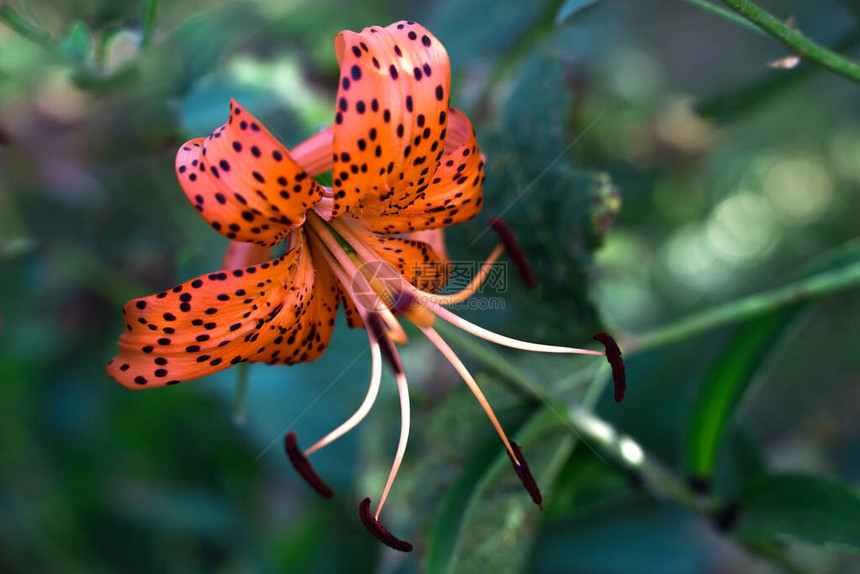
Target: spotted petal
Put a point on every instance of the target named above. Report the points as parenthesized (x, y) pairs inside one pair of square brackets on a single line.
[(243, 181), (309, 338), (211, 322), (415, 260), (453, 196), (391, 117)]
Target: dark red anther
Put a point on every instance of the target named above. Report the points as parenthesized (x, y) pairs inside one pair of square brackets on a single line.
[(514, 250), (386, 345), (303, 466), (377, 529), (613, 355), (522, 468)]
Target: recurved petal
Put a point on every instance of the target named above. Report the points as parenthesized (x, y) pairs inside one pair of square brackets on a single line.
[(415, 260), (243, 181), (308, 339), (240, 254), (211, 322), (391, 116), (453, 196)]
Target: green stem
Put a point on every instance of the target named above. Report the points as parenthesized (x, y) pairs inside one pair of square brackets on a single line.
[(601, 436), (240, 399), (747, 308), (727, 14), (794, 40), (149, 19)]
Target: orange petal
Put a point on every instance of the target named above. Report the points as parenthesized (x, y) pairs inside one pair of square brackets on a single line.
[(353, 318), (415, 260), (209, 323), (241, 254), (244, 182), (435, 238), (314, 154), (392, 107), (307, 339), (454, 195)]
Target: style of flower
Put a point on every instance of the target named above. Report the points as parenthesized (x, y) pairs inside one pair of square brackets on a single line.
[(404, 165)]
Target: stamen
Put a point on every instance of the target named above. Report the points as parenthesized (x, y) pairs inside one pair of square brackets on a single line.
[(516, 456), (522, 468), (346, 272), (303, 466), (403, 391), (501, 339), (473, 286), (366, 405), (464, 373), (376, 329), (613, 355), (377, 529), (514, 250)]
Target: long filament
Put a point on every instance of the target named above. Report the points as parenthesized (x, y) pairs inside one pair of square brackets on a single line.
[(403, 390), (366, 405), (473, 286), (464, 373), (501, 339), (349, 270)]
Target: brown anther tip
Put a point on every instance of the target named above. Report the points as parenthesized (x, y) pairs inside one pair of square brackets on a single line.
[(377, 529), (522, 469), (303, 466), (514, 250), (613, 355)]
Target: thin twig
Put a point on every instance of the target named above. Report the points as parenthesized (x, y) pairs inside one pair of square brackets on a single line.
[(753, 306), (797, 43), (727, 14)]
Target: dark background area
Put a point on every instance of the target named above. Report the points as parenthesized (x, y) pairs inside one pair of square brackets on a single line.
[(653, 166)]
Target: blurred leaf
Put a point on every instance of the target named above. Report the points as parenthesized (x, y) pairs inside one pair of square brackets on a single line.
[(196, 47), (78, 42), (805, 508), (559, 213), (734, 104), (488, 521), (485, 28), (734, 370), (726, 385), (586, 484), (570, 8)]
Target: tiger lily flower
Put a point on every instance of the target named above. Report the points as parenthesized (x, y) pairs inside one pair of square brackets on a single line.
[(404, 165)]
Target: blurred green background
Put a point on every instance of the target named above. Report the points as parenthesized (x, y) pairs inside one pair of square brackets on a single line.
[(735, 178)]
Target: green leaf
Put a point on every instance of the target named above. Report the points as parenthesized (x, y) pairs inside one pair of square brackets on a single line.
[(78, 42), (804, 508), (570, 8), (487, 521), (734, 370)]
